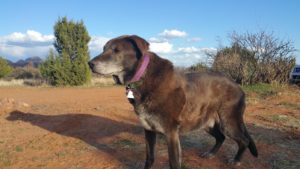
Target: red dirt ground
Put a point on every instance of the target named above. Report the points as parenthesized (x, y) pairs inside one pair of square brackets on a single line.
[(70, 128)]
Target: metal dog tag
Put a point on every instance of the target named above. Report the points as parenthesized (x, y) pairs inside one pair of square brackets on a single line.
[(130, 94)]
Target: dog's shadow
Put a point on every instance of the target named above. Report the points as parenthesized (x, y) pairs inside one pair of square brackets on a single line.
[(88, 128)]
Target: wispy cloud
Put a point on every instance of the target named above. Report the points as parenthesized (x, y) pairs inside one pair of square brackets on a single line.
[(173, 33), (187, 56), (179, 55), (96, 44)]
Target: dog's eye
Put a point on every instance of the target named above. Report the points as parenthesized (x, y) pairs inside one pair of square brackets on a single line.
[(116, 50)]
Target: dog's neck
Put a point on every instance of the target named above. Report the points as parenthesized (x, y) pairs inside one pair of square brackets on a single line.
[(141, 69), (157, 77), (149, 65)]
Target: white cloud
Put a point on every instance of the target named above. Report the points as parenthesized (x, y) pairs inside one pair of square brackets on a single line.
[(187, 56), (196, 50), (191, 49), (19, 45), (96, 45), (32, 43), (20, 52), (29, 36), (173, 33), (157, 40), (163, 47)]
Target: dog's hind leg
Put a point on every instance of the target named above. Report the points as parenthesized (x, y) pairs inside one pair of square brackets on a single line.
[(150, 137), (236, 130), (174, 149), (244, 141), (219, 136)]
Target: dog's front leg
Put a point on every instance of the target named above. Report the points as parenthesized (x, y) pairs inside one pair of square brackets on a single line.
[(174, 149), (150, 137)]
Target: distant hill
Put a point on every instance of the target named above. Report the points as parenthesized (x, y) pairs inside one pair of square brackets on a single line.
[(34, 61), (9, 62)]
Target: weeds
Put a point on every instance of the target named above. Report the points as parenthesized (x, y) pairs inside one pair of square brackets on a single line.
[(60, 154), (288, 121), (263, 90), (5, 158), (283, 162), (290, 105), (19, 149), (124, 143)]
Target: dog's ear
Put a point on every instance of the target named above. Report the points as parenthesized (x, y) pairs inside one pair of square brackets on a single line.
[(140, 44)]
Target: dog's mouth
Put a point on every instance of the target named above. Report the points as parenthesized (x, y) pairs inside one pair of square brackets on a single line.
[(117, 76), (117, 79), (108, 74)]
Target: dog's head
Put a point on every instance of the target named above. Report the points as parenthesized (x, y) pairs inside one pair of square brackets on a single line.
[(119, 57)]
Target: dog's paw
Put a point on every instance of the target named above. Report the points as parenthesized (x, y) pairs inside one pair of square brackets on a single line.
[(207, 155), (234, 163)]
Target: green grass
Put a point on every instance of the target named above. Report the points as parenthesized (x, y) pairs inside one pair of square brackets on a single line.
[(19, 149), (184, 166), (5, 159), (288, 121), (290, 105), (125, 143), (60, 154), (282, 161), (263, 90)]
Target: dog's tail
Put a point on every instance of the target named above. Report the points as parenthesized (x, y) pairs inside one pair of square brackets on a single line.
[(251, 146)]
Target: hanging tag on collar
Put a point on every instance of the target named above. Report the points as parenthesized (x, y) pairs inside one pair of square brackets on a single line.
[(129, 94)]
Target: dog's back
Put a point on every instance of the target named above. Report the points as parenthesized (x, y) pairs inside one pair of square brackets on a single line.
[(215, 102)]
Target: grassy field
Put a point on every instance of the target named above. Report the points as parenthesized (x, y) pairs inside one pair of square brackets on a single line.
[(95, 127)]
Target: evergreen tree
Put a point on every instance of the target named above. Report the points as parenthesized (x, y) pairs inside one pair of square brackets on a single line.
[(69, 66), (5, 68)]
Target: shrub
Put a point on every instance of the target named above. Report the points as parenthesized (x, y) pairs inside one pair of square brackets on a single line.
[(199, 67), (69, 65), (5, 68), (255, 58), (25, 73)]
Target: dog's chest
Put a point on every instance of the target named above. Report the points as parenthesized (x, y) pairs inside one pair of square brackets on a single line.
[(149, 120)]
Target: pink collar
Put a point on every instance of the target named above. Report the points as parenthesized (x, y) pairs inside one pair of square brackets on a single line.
[(141, 70)]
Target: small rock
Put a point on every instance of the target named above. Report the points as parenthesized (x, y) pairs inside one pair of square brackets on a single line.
[(8, 104), (25, 105)]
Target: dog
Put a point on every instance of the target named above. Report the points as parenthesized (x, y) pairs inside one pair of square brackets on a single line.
[(170, 102)]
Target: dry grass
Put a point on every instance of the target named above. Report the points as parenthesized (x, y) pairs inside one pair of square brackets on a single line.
[(102, 81), (13, 82), (96, 81)]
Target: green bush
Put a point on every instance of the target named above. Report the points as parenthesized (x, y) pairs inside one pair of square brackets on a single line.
[(263, 90), (5, 68), (68, 67)]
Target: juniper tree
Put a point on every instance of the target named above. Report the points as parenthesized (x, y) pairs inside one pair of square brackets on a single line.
[(5, 68), (68, 66)]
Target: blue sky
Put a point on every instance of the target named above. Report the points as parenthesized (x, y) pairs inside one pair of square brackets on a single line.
[(178, 30)]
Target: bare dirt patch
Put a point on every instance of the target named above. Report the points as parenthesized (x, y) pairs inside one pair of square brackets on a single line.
[(70, 128)]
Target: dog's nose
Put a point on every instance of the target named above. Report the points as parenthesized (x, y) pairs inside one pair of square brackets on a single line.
[(91, 64)]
